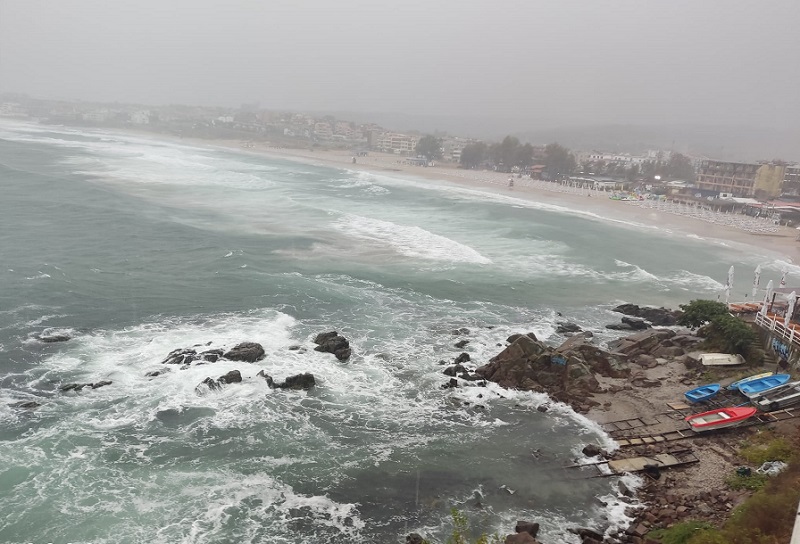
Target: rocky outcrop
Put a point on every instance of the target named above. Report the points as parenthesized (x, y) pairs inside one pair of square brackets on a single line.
[(642, 342), (333, 342), (300, 381), (234, 376), (566, 327), (661, 317), (629, 324), (566, 373), (249, 352), (186, 356), (79, 386)]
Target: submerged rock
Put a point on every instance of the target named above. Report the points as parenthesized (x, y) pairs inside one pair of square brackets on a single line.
[(50, 336)]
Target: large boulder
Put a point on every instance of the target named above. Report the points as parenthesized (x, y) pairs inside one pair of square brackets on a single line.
[(657, 316), (249, 352), (300, 381), (180, 356), (234, 376), (333, 342), (641, 342), (598, 360)]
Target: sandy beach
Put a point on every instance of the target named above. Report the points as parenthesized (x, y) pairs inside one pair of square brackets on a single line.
[(781, 244)]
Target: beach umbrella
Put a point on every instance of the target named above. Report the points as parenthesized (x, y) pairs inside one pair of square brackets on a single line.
[(783, 277), (756, 280), (790, 309), (729, 284), (767, 296)]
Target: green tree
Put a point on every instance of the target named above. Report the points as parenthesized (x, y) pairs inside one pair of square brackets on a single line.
[(430, 147), (735, 335), (558, 160), (473, 154), (699, 312), (680, 167), (632, 172)]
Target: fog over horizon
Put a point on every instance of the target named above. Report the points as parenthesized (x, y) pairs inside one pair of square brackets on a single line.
[(519, 64)]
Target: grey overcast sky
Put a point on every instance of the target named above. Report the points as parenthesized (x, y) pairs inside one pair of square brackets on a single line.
[(555, 62)]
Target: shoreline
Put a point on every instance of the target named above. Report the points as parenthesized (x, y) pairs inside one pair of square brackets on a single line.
[(782, 244)]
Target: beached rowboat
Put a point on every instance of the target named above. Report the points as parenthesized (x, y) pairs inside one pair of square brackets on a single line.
[(720, 418), (721, 359), (778, 398), (756, 387), (702, 393), (735, 385)]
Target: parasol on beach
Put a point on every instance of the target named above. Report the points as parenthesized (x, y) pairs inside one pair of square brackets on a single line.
[(729, 284), (790, 309), (756, 281)]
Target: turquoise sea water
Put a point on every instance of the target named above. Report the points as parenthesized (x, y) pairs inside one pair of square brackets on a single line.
[(136, 246)]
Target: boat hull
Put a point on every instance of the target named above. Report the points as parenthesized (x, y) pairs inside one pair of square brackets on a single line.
[(721, 418), (757, 387)]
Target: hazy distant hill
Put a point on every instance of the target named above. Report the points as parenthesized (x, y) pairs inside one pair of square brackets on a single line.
[(730, 143), (720, 142)]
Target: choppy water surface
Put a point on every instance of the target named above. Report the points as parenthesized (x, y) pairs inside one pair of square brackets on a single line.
[(135, 247)]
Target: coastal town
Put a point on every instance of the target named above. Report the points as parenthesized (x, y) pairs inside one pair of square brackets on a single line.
[(764, 189)]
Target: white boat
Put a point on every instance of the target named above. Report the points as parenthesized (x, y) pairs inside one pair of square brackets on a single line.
[(721, 359), (778, 398)]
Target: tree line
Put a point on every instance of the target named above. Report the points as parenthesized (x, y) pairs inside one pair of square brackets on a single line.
[(511, 155)]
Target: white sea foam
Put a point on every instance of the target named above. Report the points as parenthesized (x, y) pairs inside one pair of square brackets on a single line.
[(411, 241)]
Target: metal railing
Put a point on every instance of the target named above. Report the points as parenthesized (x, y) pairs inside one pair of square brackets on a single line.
[(776, 326)]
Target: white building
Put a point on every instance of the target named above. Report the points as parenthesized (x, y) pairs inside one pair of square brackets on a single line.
[(141, 117)]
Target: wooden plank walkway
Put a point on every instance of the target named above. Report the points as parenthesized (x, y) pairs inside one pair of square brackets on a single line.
[(619, 429)]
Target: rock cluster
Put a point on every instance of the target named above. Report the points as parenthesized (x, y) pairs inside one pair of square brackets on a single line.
[(333, 342), (660, 317), (78, 386)]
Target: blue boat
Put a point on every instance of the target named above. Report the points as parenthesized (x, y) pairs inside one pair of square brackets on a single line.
[(754, 387), (702, 393), (735, 385)]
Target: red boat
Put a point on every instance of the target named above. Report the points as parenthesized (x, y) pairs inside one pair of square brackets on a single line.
[(720, 418)]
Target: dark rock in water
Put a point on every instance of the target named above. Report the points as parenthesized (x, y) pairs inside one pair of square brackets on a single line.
[(542, 408), (452, 384), (527, 527), (587, 534), (155, 373), (234, 376), (270, 381), (72, 387), (657, 316), (180, 356), (636, 324), (619, 327), (27, 405), (591, 450), (208, 382), (453, 370), (461, 344), (513, 338), (294, 347), (249, 352), (463, 331), (211, 355), (463, 358), (565, 327), (415, 538), (50, 336), (333, 342), (624, 489), (300, 381), (79, 386), (520, 538), (443, 362)]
